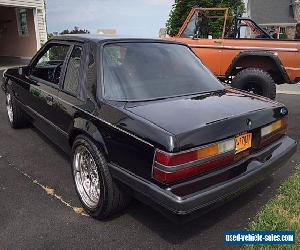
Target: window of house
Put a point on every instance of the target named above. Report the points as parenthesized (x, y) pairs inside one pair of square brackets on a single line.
[(50, 62), (72, 72), (22, 21), (282, 33)]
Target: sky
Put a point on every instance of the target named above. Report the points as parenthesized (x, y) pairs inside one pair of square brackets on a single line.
[(129, 17)]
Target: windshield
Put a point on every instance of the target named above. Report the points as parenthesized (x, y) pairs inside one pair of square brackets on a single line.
[(147, 71)]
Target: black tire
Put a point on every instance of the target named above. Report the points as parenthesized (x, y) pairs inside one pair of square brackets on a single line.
[(18, 118), (114, 197), (256, 81)]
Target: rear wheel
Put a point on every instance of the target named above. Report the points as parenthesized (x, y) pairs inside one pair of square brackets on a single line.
[(255, 81), (100, 194), (16, 116)]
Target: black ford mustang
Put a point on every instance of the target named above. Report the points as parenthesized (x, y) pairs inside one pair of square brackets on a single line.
[(145, 118)]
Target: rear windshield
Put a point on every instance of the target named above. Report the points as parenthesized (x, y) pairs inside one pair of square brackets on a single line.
[(147, 71)]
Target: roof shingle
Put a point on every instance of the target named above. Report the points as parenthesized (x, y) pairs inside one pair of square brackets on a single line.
[(272, 11)]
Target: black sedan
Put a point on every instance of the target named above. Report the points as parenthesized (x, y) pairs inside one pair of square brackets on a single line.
[(145, 118)]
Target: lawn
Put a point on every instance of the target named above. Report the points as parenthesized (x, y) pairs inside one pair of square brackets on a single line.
[(281, 214)]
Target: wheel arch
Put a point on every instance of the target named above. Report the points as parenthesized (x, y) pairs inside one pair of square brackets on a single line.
[(85, 127), (267, 61), (4, 81)]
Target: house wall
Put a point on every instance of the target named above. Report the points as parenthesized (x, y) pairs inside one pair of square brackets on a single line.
[(286, 14), (11, 43), (39, 7), (41, 22), (290, 32)]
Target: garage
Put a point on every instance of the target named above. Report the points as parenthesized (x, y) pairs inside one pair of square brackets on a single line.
[(22, 31)]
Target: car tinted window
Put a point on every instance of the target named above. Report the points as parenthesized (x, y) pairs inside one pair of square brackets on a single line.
[(72, 72), (142, 71), (49, 65)]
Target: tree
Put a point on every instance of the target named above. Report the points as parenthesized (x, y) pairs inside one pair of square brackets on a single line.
[(181, 9), (76, 30)]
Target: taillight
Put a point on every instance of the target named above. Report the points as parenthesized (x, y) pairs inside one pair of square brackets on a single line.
[(169, 168), (273, 132)]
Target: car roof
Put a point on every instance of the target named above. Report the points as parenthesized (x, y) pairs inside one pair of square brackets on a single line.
[(106, 38)]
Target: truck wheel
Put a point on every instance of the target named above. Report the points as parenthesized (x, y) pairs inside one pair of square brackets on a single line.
[(100, 194), (255, 81), (16, 116)]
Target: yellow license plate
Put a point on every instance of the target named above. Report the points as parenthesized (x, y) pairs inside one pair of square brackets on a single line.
[(243, 142)]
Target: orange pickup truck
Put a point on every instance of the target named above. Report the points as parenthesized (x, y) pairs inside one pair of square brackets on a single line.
[(245, 55)]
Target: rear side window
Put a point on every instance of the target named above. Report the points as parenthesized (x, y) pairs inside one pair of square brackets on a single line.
[(72, 71)]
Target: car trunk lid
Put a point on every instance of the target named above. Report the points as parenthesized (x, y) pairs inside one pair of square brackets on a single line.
[(202, 119)]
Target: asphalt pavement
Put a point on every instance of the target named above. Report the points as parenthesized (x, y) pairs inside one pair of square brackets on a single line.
[(39, 207)]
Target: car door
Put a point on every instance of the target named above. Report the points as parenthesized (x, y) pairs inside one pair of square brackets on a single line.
[(45, 77), (71, 93)]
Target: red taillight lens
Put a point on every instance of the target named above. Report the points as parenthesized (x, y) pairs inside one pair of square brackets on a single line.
[(174, 160), (169, 177), (173, 167)]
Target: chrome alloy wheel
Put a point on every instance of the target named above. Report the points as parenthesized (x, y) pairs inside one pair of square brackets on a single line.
[(9, 108), (86, 177)]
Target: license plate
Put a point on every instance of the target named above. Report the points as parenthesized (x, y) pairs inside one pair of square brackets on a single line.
[(243, 142)]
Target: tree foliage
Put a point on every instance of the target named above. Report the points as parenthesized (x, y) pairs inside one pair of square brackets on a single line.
[(76, 30), (181, 9)]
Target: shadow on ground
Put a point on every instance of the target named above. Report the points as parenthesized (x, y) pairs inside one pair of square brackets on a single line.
[(177, 234)]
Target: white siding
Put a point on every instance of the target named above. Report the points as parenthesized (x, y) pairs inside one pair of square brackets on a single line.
[(24, 3), (42, 25)]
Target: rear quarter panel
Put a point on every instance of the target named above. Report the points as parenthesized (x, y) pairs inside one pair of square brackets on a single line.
[(107, 127)]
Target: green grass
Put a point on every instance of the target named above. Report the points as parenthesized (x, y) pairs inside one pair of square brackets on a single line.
[(281, 214)]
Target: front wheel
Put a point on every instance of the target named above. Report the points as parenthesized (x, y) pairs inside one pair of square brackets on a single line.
[(100, 195), (255, 81), (16, 115)]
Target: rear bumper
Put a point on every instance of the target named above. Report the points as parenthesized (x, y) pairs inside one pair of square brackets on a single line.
[(256, 166)]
